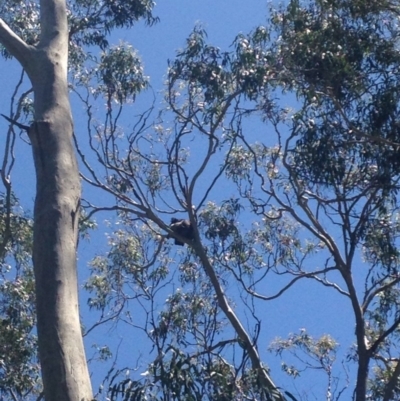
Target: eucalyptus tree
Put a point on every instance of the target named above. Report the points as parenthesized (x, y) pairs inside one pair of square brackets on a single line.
[(38, 35), (341, 59), (146, 171), (320, 181)]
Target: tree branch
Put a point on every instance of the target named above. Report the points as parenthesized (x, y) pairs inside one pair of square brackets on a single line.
[(14, 122), (383, 336), (241, 332), (15, 45)]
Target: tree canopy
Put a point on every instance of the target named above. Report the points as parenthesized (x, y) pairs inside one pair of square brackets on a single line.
[(277, 197)]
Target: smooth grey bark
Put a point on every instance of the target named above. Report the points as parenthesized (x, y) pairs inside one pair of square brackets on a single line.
[(263, 377), (62, 357)]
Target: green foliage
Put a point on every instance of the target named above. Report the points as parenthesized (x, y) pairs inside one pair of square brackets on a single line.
[(220, 220), (121, 74), (341, 61), (212, 75), (19, 370), (320, 353), (23, 18), (107, 278), (92, 20), (190, 378)]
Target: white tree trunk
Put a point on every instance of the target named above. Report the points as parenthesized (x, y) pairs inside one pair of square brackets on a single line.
[(62, 357)]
